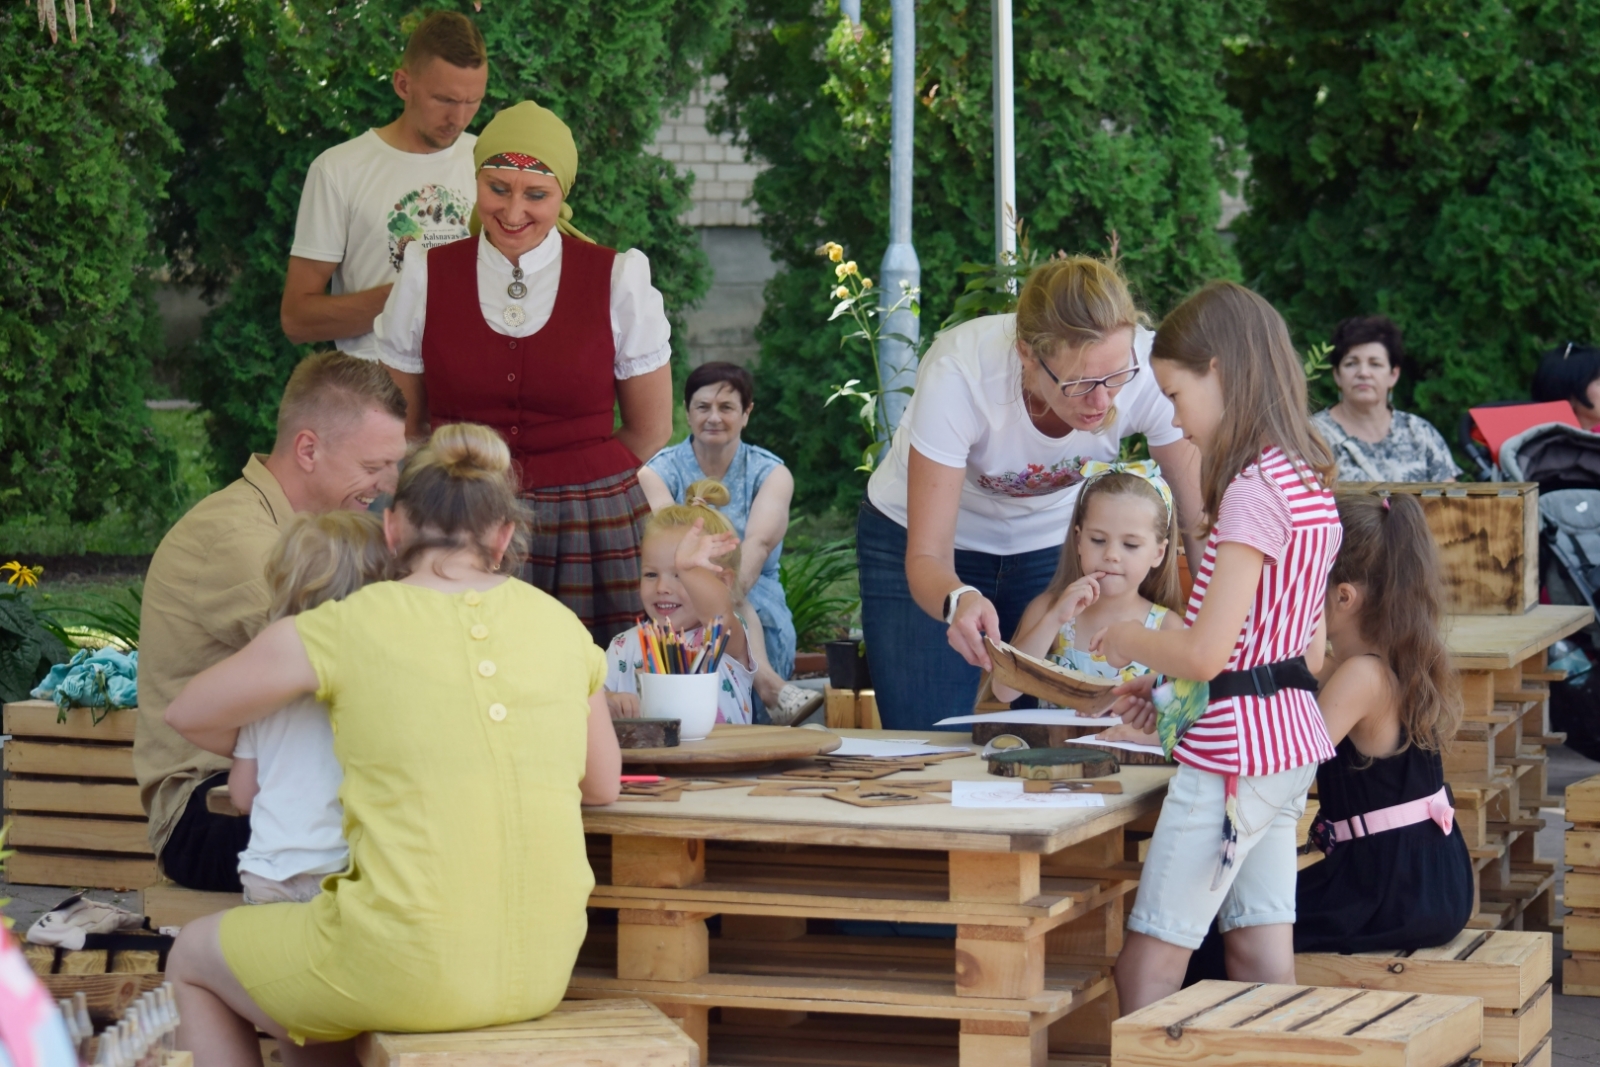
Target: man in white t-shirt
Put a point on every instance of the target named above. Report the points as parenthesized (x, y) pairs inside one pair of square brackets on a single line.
[(367, 199)]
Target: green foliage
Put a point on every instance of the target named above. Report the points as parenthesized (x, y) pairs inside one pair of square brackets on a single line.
[(1121, 124), (815, 586), (83, 147), (263, 87), (106, 617), (30, 641), (1437, 163)]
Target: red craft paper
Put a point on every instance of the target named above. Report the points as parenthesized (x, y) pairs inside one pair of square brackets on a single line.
[(1500, 424)]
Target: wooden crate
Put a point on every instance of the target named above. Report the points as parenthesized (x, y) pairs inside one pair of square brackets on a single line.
[(70, 793), (1580, 930), (1488, 536), (1235, 1023), (594, 1033)]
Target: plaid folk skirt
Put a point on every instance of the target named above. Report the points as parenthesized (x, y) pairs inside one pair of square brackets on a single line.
[(585, 550)]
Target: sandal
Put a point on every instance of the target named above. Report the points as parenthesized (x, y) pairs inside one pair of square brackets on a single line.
[(795, 702)]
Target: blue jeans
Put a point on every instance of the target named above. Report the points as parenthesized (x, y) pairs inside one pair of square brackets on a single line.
[(919, 679)]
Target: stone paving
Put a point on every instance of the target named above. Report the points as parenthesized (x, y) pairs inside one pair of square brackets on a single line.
[(1577, 1019)]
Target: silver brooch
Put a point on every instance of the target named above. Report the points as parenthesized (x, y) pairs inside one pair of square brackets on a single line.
[(514, 315)]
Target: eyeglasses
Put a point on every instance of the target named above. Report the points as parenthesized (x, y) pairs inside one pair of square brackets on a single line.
[(1085, 386)]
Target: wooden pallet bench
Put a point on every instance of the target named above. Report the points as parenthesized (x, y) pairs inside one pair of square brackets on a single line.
[(1508, 970), (169, 904), (70, 794), (594, 1033), (1238, 1024)]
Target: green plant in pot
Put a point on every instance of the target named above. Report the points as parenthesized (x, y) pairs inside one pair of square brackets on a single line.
[(30, 640)]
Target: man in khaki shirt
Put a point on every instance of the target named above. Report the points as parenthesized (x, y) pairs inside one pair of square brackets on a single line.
[(341, 435)]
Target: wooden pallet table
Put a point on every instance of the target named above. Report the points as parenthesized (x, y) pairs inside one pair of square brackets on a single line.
[(1497, 767), (70, 794), (1023, 911)]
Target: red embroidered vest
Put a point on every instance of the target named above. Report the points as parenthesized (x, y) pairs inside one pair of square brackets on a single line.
[(551, 395)]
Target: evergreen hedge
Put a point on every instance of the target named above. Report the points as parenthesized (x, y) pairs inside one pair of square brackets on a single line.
[(1437, 163), (1122, 125), (83, 148), (263, 87)]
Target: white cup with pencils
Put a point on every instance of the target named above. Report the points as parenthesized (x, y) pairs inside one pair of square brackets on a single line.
[(689, 698)]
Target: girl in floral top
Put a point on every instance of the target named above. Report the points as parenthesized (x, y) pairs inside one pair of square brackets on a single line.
[(1119, 564), (689, 563)]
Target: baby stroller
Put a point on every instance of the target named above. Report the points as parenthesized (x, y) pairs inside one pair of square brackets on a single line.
[(1565, 462)]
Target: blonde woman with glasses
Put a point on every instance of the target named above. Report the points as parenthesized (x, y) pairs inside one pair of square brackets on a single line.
[(965, 518)]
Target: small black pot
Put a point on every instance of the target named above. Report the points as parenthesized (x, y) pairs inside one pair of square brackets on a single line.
[(847, 665)]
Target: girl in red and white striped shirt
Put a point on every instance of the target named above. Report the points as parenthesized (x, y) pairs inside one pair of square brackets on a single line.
[(1254, 632)]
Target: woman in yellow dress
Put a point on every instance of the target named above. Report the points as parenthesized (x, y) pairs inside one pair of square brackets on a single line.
[(468, 715)]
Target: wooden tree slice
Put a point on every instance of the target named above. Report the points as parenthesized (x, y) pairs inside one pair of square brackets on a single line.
[(1053, 763), (1038, 735), (1062, 686), (646, 733), (741, 747)]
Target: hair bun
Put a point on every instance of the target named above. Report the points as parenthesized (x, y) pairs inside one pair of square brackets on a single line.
[(707, 491), (469, 450)]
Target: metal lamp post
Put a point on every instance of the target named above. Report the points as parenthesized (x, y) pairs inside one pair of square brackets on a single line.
[(900, 270)]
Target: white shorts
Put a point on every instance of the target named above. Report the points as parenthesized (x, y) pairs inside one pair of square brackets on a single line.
[(1176, 902), (296, 889)]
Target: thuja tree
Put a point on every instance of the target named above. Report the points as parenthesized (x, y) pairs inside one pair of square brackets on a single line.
[(263, 86), (1438, 163), (83, 141), (1122, 127)]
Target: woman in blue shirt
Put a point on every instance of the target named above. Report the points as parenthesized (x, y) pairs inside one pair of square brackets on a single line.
[(719, 398)]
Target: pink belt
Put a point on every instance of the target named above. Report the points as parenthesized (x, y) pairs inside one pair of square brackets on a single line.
[(1436, 808)]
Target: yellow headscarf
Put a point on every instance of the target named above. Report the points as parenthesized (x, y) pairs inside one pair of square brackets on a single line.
[(531, 130)]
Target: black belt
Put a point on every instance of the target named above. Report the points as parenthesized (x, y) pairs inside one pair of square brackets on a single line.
[(1265, 680)]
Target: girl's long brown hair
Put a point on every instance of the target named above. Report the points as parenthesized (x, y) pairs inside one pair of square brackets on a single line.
[(1390, 554), (1160, 586), (1262, 379)]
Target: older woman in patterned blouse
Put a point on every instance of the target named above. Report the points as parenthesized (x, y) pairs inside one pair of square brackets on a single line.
[(1371, 441)]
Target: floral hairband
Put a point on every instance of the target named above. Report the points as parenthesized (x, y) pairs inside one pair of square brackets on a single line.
[(516, 161), (1148, 469)]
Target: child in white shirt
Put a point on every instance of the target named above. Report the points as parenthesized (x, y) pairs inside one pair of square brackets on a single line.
[(284, 773)]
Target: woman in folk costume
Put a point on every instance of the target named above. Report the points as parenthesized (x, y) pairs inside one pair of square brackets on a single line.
[(532, 328)]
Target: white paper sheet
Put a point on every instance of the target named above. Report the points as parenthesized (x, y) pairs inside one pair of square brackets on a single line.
[(882, 749), (1007, 793), (1035, 717), (1098, 739)]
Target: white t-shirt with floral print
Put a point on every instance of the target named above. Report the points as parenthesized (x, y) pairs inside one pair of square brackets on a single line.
[(968, 411), (625, 658)]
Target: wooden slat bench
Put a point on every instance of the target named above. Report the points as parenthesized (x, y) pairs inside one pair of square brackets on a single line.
[(587, 1033), (169, 904), (1242, 1024), (1508, 970)]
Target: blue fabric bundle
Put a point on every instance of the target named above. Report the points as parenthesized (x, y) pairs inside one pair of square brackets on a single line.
[(105, 678)]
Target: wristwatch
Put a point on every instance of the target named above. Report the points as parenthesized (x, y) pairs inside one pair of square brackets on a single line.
[(952, 599)]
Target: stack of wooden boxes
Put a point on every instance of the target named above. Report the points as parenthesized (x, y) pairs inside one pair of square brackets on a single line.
[(1580, 931), (72, 800), (1488, 538)]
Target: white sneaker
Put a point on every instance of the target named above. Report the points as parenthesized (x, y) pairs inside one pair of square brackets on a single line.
[(795, 702)]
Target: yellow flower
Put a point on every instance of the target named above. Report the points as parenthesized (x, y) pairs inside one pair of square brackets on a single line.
[(840, 293), (850, 268), (866, 283), (833, 251), (839, 272), (20, 575)]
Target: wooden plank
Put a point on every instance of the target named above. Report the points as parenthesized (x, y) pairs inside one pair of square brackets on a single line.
[(584, 1033), (1583, 802), (1510, 1037), (1505, 968), (93, 871), (83, 798), (1580, 932), (739, 744), (662, 951), (1582, 890), (657, 862), (69, 760), (997, 961), (1580, 977), (1242, 1024), (38, 718), (1499, 642), (93, 835), (169, 904)]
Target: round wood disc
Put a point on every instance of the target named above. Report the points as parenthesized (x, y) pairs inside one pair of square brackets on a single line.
[(1075, 761), (746, 746)]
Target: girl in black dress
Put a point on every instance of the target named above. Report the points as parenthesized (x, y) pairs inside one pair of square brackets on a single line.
[(1397, 874)]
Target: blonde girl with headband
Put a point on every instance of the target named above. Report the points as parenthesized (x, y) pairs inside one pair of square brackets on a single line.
[(284, 775), (472, 329), (1119, 564), (688, 576), (962, 526), (467, 713)]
